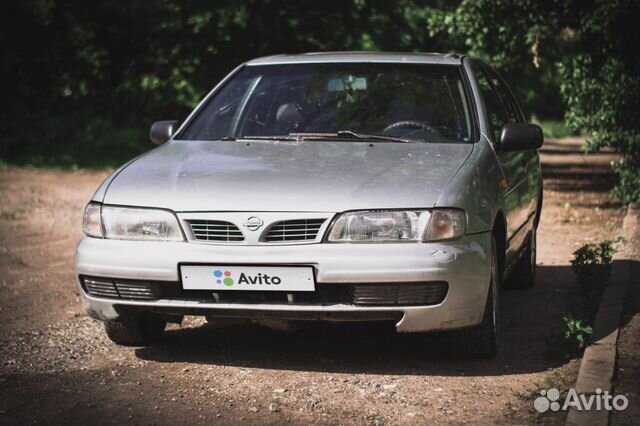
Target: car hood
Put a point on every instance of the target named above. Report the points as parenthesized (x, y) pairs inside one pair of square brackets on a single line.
[(317, 176)]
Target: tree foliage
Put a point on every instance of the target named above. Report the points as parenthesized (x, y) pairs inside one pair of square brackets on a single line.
[(82, 81), (588, 48)]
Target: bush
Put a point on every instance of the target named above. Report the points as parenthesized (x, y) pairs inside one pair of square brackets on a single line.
[(570, 338), (556, 129), (70, 140), (576, 331), (628, 188), (592, 264)]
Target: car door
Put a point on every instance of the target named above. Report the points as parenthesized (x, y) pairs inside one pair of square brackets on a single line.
[(514, 164), (530, 158)]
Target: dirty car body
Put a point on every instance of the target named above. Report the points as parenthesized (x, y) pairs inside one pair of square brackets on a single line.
[(337, 186)]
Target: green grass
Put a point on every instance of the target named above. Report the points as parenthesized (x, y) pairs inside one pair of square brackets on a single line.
[(562, 378), (70, 141), (556, 129)]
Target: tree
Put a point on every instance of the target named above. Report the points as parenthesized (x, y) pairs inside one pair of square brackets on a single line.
[(588, 47), (83, 80)]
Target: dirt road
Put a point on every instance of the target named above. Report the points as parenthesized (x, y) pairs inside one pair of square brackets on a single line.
[(57, 366)]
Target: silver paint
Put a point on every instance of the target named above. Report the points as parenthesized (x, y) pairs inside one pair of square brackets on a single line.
[(235, 180)]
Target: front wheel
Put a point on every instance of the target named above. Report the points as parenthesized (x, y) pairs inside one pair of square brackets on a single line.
[(481, 341), (135, 329)]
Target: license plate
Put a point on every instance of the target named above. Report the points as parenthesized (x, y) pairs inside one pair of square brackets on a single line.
[(253, 278)]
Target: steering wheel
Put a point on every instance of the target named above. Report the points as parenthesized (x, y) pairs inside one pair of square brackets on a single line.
[(412, 124)]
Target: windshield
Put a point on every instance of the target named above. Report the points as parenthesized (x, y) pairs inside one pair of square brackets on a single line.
[(409, 101)]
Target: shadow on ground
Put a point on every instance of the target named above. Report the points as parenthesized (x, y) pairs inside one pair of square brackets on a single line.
[(528, 319), (566, 167), (571, 177)]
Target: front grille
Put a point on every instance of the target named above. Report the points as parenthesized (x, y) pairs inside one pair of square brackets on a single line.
[(138, 290), (431, 293), (400, 294), (101, 288), (215, 230), (118, 289), (293, 230)]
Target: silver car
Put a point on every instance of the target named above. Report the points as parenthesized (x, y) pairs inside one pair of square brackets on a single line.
[(332, 186)]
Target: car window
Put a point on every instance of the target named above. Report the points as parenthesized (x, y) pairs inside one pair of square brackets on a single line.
[(496, 112), (513, 112), (219, 119), (413, 101)]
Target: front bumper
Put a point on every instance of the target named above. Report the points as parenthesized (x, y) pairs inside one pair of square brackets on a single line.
[(464, 264)]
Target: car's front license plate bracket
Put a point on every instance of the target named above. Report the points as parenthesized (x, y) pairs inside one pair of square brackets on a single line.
[(247, 278)]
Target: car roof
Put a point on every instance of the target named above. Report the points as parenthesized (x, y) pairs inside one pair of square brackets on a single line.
[(381, 57)]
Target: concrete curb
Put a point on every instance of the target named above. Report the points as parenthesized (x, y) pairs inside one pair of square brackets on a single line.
[(599, 361)]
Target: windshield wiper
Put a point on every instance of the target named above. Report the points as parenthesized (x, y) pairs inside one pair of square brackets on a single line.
[(341, 135), (289, 137), (349, 134), (352, 134)]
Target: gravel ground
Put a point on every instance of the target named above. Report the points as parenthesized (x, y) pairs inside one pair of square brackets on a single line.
[(57, 366)]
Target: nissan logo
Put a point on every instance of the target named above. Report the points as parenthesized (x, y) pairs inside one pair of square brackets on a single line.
[(253, 223)]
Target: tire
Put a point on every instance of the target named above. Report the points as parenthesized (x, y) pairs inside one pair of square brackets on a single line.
[(481, 341), (524, 275), (539, 209), (135, 329)]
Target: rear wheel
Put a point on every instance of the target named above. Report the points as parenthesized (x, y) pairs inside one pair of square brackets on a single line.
[(135, 329), (481, 341), (524, 276)]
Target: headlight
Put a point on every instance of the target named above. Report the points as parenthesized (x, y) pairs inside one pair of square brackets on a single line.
[(379, 226), (92, 224), (446, 224), (124, 223), (398, 226)]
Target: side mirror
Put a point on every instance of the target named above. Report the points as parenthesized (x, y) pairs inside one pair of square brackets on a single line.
[(161, 131), (520, 137)]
